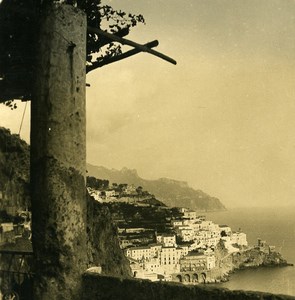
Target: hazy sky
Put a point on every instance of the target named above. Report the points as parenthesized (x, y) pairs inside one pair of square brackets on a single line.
[(222, 119)]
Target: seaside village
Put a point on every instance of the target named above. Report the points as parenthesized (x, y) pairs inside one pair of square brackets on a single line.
[(186, 247), (195, 252)]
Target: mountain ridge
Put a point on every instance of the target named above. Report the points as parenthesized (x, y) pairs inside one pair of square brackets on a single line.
[(170, 191), (14, 180)]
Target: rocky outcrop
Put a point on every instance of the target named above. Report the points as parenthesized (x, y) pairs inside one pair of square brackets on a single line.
[(14, 172), (254, 257), (103, 241), (102, 244), (245, 258)]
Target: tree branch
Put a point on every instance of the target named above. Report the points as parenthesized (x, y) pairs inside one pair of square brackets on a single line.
[(127, 54), (104, 41), (131, 43)]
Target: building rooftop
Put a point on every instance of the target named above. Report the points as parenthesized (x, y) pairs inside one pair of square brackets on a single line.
[(139, 248), (155, 244)]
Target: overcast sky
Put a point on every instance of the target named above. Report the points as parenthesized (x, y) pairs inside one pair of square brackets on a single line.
[(223, 119)]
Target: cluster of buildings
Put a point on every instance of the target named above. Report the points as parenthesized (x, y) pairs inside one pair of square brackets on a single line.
[(9, 231), (102, 196), (163, 259), (126, 194), (206, 234), (189, 247), (264, 247)]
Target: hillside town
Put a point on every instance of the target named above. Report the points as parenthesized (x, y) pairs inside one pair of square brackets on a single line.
[(177, 244), (160, 243), (189, 246), (185, 244)]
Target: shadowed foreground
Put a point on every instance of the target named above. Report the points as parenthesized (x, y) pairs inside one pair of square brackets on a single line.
[(113, 288)]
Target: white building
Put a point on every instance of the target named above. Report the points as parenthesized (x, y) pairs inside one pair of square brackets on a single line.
[(182, 250), (139, 253), (168, 240), (190, 214), (152, 266), (176, 223), (7, 227), (229, 245), (155, 249), (130, 189), (95, 194), (210, 262), (239, 238), (110, 193), (185, 232), (168, 256)]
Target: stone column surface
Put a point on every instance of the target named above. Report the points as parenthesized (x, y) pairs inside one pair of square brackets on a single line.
[(58, 155)]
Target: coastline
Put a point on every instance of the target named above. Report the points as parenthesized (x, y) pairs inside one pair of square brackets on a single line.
[(275, 225)]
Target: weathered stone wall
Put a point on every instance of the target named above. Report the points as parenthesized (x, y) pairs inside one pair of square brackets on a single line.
[(58, 155), (111, 288), (14, 172)]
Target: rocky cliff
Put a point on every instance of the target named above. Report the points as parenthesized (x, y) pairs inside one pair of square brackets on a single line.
[(245, 258), (103, 241), (171, 192), (102, 245), (14, 172)]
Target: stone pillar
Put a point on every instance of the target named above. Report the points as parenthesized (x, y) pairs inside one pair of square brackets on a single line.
[(58, 155)]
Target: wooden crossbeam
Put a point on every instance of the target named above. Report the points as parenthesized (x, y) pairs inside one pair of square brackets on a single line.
[(121, 33), (124, 55), (123, 41)]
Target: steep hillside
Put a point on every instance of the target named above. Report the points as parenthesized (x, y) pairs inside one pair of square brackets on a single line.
[(103, 243), (14, 172), (171, 192)]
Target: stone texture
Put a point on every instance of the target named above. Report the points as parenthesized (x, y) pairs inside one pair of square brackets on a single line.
[(58, 155), (103, 242), (14, 172)]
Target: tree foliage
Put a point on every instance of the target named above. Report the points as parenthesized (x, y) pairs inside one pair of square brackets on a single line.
[(20, 23), (114, 21), (97, 184)]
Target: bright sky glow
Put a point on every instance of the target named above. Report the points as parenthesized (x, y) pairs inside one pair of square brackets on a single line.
[(222, 119)]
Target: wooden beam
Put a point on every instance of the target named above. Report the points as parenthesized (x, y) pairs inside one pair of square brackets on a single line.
[(104, 40), (123, 41), (124, 55)]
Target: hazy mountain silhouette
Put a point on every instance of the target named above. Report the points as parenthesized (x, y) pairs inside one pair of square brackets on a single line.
[(171, 192)]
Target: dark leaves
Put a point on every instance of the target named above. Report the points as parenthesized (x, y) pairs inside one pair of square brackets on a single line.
[(11, 104), (113, 21)]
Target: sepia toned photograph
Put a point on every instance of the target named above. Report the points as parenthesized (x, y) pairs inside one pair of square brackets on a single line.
[(147, 149)]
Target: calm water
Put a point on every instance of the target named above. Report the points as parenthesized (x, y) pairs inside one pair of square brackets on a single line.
[(277, 227)]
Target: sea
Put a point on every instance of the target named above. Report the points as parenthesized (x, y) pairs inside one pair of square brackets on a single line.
[(275, 225)]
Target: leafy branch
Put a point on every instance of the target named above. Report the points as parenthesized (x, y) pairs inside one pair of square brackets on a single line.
[(99, 48)]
